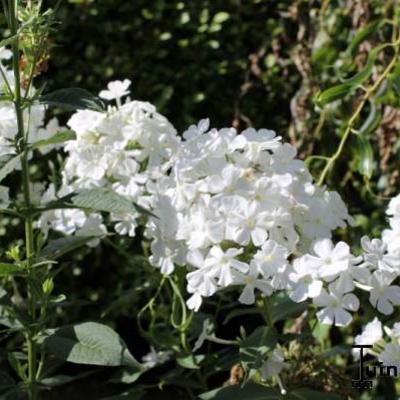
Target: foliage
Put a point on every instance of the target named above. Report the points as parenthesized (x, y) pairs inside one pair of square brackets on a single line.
[(324, 75)]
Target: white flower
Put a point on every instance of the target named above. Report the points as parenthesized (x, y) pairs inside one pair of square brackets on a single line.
[(390, 355), (270, 258), (116, 90), (5, 54), (92, 226), (154, 358), (335, 304), (383, 295), (394, 207), (248, 223), (304, 282), (274, 365), (330, 260), (376, 255), (252, 281), (371, 334), (391, 237), (221, 264), (207, 330)]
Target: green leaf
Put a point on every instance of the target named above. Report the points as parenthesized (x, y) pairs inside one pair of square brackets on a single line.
[(90, 343), (255, 347), (7, 383), (309, 394), (73, 99), (59, 137), (360, 36), (372, 121), (9, 166), (126, 375), (283, 308), (102, 199), (191, 362), (365, 156), (7, 269), (8, 41), (251, 391), (339, 91), (58, 247)]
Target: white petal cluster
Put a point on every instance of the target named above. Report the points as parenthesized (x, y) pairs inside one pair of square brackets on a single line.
[(238, 209), (235, 208), (329, 274), (124, 149)]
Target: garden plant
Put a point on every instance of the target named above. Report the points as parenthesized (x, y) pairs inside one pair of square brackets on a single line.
[(234, 234)]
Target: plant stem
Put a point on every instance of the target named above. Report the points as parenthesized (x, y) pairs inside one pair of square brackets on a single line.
[(268, 315), (349, 128), (29, 242)]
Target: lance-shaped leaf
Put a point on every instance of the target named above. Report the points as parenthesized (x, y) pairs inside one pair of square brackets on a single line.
[(251, 391), (283, 308), (361, 35), (349, 85), (73, 99), (7, 269), (254, 348), (365, 156), (9, 166), (58, 247), (58, 138), (90, 343), (102, 199)]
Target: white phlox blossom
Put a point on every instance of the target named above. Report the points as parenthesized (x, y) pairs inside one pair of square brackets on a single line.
[(376, 271), (386, 342), (239, 205), (123, 149)]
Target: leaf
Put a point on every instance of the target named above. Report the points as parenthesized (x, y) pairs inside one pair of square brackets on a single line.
[(9, 166), (58, 247), (238, 312), (7, 269), (59, 380), (371, 122), (309, 394), (255, 347), (59, 137), (191, 362), (126, 375), (282, 307), (73, 99), (339, 91), (251, 391), (365, 156), (90, 343), (6, 382), (360, 36), (8, 41), (102, 199)]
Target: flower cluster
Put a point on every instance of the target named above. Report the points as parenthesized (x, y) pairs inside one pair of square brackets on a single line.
[(235, 208), (330, 273), (124, 149)]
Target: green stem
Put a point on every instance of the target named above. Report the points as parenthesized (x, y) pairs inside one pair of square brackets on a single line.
[(350, 125), (29, 239), (268, 315)]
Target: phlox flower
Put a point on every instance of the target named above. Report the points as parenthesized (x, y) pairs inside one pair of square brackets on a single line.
[(336, 306)]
